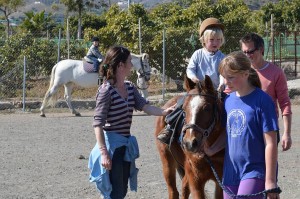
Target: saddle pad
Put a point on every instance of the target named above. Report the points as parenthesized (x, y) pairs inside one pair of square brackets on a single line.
[(88, 67)]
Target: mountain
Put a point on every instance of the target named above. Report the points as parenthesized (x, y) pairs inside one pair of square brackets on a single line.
[(58, 9)]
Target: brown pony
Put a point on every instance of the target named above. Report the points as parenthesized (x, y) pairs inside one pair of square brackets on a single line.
[(202, 126)]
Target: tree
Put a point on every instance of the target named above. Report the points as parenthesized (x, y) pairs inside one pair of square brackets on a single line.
[(8, 7), (37, 23), (179, 35), (273, 9), (91, 21), (291, 15), (234, 15), (75, 5)]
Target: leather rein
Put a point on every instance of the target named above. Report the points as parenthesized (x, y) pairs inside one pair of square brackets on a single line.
[(205, 132)]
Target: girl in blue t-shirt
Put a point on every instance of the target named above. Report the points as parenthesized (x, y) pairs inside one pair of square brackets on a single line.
[(250, 164)]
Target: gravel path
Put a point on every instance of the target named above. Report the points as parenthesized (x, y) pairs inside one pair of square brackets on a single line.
[(47, 157)]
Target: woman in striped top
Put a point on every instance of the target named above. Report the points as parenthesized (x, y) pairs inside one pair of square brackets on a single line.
[(112, 159)]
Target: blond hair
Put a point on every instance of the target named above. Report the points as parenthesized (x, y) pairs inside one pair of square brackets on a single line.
[(238, 62), (212, 32)]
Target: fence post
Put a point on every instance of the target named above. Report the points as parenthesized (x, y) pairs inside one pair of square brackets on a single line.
[(296, 58), (24, 83), (272, 39), (68, 38), (164, 64), (58, 46), (128, 4), (140, 36)]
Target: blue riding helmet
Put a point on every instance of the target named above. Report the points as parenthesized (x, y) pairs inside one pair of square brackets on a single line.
[(95, 39)]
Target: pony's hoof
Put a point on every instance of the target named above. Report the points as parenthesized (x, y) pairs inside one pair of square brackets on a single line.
[(43, 115), (77, 114)]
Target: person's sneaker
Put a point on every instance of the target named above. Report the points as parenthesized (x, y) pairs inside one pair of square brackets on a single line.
[(164, 136)]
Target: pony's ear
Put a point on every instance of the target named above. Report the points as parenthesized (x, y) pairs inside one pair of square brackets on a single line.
[(208, 84), (188, 84)]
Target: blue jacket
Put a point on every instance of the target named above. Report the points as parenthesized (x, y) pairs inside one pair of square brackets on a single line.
[(100, 175)]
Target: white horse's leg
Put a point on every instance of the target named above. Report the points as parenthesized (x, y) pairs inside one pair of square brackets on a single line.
[(68, 98), (145, 93), (48, 95), (142, 85)]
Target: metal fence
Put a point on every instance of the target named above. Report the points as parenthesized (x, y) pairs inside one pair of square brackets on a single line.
[(284, 50), (17, 85)]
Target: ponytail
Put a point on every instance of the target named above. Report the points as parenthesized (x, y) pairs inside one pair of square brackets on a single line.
[(254, 79)]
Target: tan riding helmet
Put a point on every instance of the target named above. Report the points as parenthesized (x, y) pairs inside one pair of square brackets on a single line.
[(209, 23)]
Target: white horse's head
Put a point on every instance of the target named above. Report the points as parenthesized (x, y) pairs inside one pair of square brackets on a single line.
[(141, 65)]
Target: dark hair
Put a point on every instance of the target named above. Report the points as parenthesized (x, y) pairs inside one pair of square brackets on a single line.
[(114, 56), (237, 62), (255, 38)]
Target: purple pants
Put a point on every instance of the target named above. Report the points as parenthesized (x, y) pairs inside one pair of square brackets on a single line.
[(248, 186)]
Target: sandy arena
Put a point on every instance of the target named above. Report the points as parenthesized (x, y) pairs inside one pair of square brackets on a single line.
[(43, 158)]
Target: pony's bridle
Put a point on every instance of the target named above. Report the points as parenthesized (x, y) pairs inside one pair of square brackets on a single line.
[(205, 132), (142, 71), (143, 74)]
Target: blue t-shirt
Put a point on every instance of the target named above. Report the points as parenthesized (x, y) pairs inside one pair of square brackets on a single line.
[(248, 118)]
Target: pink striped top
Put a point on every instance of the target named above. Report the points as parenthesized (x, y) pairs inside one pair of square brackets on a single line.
[(113, 112)]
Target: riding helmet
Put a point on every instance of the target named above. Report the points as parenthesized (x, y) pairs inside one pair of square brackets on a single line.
[(210, 23), (95, 39)]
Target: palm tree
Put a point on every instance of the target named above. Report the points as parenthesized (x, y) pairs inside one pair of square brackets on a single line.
[(37, 23)]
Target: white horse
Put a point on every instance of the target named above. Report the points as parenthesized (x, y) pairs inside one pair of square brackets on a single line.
[(69, 72)]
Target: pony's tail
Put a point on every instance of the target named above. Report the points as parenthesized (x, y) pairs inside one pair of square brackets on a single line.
[(52, 76), (48, 96)]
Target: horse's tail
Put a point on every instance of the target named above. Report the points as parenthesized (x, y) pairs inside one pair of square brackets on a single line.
[(48, 96), (52, 76)]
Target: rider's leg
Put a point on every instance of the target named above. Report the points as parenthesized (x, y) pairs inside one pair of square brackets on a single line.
[(171, 119), (96, 65), (165, 135)]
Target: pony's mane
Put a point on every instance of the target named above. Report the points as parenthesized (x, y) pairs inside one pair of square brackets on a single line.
[(136, 55), (203, 87)]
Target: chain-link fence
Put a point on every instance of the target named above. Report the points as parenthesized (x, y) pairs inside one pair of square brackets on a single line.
[(169, 52)]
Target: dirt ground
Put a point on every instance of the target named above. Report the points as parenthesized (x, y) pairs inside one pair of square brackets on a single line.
[(43, 158)]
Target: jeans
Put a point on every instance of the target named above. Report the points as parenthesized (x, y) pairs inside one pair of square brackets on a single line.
[(96, 65), (119, 174)]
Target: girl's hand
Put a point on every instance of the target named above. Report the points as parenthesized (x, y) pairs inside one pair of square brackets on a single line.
[(271, 195), (105, 159), (286, 142)]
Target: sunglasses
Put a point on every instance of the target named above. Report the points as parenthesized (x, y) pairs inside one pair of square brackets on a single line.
[(250, 52)]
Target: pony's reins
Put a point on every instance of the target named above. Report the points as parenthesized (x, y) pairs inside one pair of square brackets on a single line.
[(228, 192), (205, 132)]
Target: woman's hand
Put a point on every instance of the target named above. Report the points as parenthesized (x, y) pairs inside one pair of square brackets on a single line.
[(105, 159), (169, 110)]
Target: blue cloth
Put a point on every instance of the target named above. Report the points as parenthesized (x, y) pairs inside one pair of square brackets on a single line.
[(248, 118), (100, 175)]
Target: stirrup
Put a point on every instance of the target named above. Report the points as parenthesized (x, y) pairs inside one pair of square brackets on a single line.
[(100, 79), (165, 136)]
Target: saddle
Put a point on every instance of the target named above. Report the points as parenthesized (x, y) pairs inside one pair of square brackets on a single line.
[(88, 66), (176, 119)]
